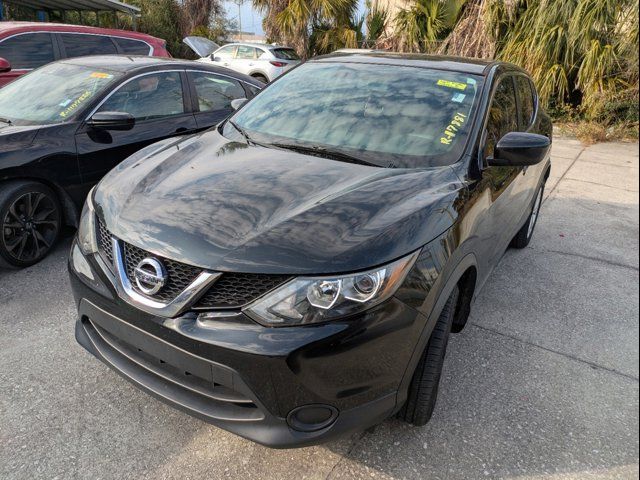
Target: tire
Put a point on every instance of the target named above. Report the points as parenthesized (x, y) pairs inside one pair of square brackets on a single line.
[(523, 237), (423, 390), (30, 223), (261, 78)]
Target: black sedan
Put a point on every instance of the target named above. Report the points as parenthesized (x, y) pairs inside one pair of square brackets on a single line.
[(294, 274), (65, 125)]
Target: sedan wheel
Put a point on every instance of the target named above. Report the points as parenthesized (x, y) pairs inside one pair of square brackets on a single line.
[(29, 222)]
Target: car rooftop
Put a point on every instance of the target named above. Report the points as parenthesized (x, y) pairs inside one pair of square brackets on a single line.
[(258, 45), (125, 63), (50, 26), (457, 64)]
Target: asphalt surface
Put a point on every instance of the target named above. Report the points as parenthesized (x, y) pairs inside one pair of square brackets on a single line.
[(542, 384)]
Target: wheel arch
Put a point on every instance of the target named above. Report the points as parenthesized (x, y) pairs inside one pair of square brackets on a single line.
[(467, 288), (465, 274), (70, 213), (259, 73)]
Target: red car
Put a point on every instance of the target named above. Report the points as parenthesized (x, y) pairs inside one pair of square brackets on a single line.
[(28, 45)]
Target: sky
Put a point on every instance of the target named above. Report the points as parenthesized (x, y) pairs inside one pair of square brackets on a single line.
[(252, 19)]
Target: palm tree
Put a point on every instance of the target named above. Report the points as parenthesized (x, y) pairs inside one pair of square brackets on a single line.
[(292, 21), (376, 20), (419, 27), (575, 49), (328, 36)]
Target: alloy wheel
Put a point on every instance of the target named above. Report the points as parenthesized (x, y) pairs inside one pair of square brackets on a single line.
[(30, 226)]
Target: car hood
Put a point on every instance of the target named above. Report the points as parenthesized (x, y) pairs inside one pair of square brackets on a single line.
[(14, 137), (203, 47), (228, 206)]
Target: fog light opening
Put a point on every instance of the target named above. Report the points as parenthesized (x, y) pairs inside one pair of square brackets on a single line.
[(311, 418)]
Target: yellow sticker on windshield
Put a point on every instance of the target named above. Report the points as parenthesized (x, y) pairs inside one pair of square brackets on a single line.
[(100, 75), (450, 84), (70, 109), (452, 129)]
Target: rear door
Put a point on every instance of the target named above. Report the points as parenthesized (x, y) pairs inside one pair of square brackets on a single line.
[(213, 95), (161, 104), (25, 52), (81, 44)]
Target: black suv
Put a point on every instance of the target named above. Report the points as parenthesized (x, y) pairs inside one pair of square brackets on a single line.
[(294, 274)]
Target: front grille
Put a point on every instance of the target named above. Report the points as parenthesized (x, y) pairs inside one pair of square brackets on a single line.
[(231, 290), (179, 275), (105, 244), (235, 290)]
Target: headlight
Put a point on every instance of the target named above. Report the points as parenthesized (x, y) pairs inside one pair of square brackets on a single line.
[(87, 227), (311, 300)]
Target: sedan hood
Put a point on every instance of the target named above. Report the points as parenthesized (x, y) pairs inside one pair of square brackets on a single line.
[(228, 206), (13, 137)]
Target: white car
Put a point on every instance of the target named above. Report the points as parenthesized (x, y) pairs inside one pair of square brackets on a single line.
[(261, 61)]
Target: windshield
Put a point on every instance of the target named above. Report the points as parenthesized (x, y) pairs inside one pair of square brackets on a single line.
[(387, 115), (52, 94)]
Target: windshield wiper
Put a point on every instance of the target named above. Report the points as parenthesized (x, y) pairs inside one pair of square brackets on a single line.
[(242, 132), (324, 152), (6, 120)]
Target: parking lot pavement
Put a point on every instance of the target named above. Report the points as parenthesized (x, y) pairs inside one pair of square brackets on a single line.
[(543, 382)]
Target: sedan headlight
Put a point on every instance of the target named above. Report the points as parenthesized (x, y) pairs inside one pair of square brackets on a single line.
[(87, 227), (307, 300)]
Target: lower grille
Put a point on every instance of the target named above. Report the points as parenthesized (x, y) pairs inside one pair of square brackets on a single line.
[(194, 389), (179, 275), (235, 290)]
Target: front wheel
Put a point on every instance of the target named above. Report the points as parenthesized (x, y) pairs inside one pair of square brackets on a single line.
[(523, 237), (423, 390), (30, 220)]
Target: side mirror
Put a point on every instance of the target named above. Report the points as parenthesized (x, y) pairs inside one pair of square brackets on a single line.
[(216, 59), (520, 149), (112, 121), (5, 65), (238, 102)]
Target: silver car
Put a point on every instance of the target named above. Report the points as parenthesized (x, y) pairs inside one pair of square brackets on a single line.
[(261, 61)]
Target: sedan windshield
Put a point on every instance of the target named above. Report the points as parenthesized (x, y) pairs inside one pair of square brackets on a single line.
[(385, 115), (52, 94)]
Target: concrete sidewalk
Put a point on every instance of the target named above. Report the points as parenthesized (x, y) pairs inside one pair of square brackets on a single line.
[(543, 383)]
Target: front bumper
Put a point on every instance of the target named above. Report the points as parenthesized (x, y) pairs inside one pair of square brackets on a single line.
[(281, 387)]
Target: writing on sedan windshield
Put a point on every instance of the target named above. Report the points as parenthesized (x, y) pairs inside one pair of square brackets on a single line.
[(79, 101), (69, 89)]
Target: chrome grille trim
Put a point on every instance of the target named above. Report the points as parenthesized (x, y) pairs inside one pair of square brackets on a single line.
[(149, 305)]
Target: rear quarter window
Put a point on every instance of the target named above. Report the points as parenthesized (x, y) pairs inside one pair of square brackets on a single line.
[(133, 47), (286, 54)]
